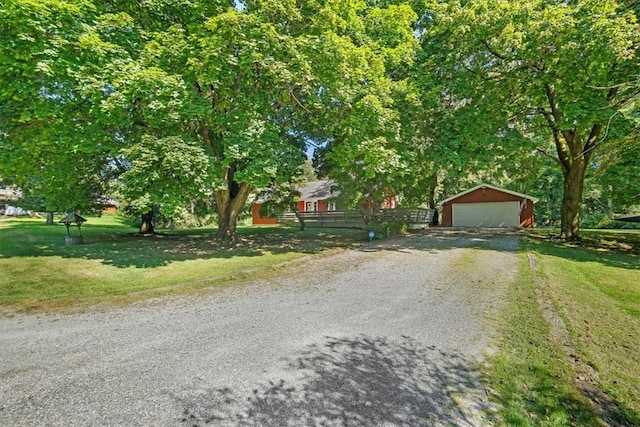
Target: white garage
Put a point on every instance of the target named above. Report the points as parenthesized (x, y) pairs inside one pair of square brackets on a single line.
[(492, 215)]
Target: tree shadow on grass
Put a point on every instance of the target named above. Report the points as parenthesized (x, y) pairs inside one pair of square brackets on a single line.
[(172, 247), (622, 252), (129, 249), (113, 247), (354, 382)]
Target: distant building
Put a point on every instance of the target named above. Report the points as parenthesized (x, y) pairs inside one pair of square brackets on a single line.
[(9, 194), (8, 198)]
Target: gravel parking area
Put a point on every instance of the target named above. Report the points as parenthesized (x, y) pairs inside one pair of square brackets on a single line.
[(391, 335)]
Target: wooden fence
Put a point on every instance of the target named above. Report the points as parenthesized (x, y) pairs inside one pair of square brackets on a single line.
[(328, 219), (416, 218)]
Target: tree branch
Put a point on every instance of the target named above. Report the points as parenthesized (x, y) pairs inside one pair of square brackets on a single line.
[(206, 136), (592, 141), (492, 50), (550, 156), (550, 122), (551, 97)]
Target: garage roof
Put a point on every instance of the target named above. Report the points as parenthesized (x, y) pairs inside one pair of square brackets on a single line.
[(493, 187)]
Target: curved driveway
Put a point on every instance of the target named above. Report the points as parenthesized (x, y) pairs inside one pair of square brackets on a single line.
[(392, 336)]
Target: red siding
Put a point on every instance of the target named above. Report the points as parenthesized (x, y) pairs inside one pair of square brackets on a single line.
[(391, 202), (446, 216), (256, 219), (313, 206), (526, 216), (486, 195)]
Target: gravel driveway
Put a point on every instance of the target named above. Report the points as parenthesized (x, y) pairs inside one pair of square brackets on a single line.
[(393, 335)]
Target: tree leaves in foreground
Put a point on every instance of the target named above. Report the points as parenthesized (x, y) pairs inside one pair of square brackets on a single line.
[(49, 145), (189, 99), (116, 85)]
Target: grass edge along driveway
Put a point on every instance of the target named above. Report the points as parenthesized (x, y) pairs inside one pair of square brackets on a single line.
[(540, 377)]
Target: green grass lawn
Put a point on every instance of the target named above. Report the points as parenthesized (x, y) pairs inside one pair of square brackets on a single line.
[(40, 273), (595, 289)]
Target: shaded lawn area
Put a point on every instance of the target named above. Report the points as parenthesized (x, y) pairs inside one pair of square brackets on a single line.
[(602, 241), (41, 273), (594, 287)]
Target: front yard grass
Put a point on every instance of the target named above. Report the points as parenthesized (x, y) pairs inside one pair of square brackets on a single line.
[(594, 287), (41, 274)]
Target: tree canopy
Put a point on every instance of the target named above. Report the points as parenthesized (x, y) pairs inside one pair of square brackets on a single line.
[(175, 101)]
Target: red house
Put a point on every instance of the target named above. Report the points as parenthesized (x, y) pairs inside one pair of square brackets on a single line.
[(315, 196), (488, 206)]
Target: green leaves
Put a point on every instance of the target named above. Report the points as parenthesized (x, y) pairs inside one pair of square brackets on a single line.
[(168, 171), (392, 90)]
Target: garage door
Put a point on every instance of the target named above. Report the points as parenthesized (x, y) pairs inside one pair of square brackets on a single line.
[(496, 214)]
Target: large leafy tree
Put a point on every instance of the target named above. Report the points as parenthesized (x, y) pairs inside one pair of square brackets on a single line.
[(150, 88), (251, 86), (49, 146), (556, 69), (410, 132)]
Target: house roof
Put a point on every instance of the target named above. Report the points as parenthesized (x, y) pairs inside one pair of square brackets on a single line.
[(318, 190), (493, 187), (311, 191)]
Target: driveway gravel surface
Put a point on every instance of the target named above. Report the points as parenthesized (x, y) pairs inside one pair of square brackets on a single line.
[(391, 335)]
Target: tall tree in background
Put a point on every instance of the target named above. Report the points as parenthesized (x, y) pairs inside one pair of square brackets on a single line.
[(363, 147), (540, 67), (211, 75), (251, 86)]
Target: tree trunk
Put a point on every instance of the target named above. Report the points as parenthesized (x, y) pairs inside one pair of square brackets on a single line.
[(49, 218), (294, 208), (573, 157), (146, 226), (230, 203), (572, 201), (432, 184), (226, 225)]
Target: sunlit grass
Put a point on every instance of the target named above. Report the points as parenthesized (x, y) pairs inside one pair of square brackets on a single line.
[(598, 296), (531, 375)]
